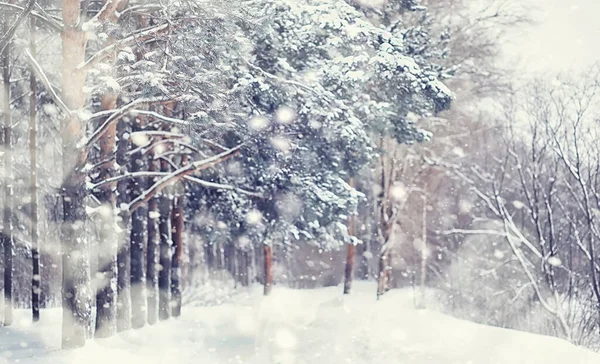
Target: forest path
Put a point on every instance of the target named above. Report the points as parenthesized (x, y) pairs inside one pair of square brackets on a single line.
[(295, 327)]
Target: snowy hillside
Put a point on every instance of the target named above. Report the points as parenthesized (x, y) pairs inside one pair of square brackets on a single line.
[(299, 327)]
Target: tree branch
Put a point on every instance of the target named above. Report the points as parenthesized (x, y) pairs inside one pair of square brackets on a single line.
[(178, 175), (7, 37), (50, 21), (141, 35), (116, 116), (39, 72)]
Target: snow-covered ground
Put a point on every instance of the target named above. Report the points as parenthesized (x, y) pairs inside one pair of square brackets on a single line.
[(297, 327)]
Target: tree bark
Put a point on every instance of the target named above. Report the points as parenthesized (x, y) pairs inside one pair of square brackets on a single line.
[(422, 304), (268, 273), (107, 274), (349, 269), (209, 258), (7, 229), (153, 247), (111, 234), (164, 275), (384, 279), (76, 290), (138, 243), (35, 251), (177, 220), (123, 256)]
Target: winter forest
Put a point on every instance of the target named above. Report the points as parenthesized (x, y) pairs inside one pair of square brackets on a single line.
[(293, 181)]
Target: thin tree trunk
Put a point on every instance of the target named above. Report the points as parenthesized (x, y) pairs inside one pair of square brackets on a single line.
[(153, 247), (164, 275), (219, 252), (178, 230), (228, 258), (349, 269), (235, 267), (381, 276), (35, 249), (123, 256), (250, 266), (242, 269), (106, 277), (247, 263), (386, 222), (384, 277), (424, 253), (268, 269), (7, 233), (138, 244), (76, 289)]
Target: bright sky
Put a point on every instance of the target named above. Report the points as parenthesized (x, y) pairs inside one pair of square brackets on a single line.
[(565, 37)]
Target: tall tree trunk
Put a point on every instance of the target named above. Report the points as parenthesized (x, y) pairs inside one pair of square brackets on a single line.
[(349, 269), (268, 269), (164, 275), (234, 266), (152, 250), (178, 230), (386, 219), (228, 258), (35, 249), (7, 233), (246, 263), (138, 242), (424, 253), (219, 260), (76, 288), (384, 277), (111, 232), (209, 258), (123, 256), (106, 277)]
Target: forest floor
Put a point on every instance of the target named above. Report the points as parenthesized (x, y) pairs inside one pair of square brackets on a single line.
[(295, 327)]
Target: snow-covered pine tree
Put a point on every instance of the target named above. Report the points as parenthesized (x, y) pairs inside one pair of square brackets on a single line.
[(346, 83)]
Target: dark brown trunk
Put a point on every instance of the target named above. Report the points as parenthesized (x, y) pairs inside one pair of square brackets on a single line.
[(106, 295), (35, 249), (7, 233), (178, 229), (164, 275), (123, 256), (349, 268), (268, 273), (111, 234), (153, 247), (138, 242)]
